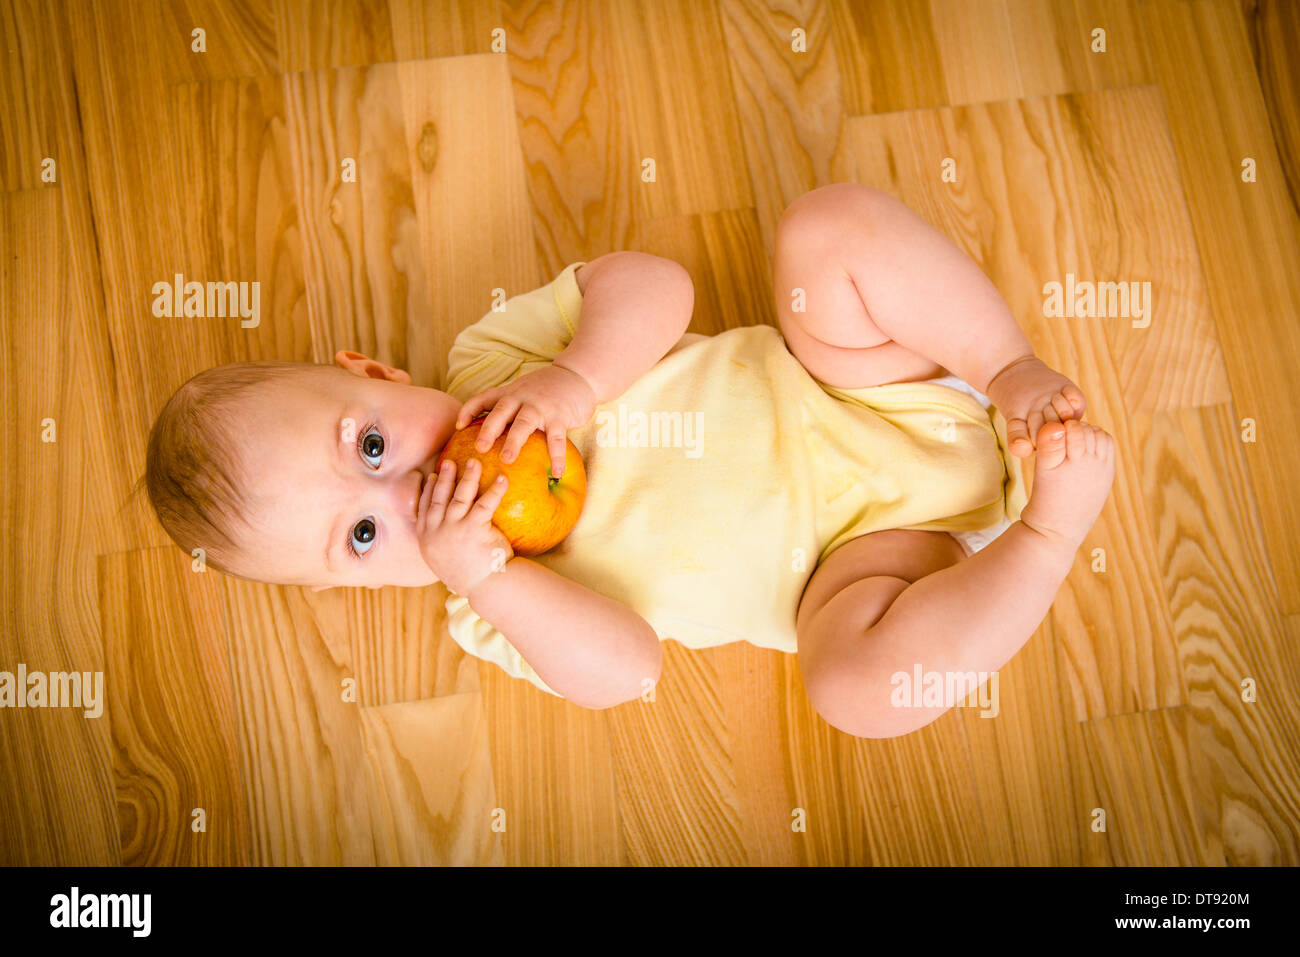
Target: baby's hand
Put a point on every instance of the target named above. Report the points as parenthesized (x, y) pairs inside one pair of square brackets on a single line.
[(553, 399), (457, 539)]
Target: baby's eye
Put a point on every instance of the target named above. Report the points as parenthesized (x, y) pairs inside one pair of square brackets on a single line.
[(362, 536), (371, 444)]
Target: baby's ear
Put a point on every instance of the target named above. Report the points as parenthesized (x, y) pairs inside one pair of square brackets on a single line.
[(368, 368)]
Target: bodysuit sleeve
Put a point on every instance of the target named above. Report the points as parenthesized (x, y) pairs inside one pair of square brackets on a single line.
[(480, 639), (528, 333)]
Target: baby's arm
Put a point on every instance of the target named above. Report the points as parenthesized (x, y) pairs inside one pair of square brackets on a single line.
[(593, 650), (590, 649), (635, 307)]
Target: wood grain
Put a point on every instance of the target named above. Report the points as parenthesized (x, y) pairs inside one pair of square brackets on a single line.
[(1153, 787), (1274, 27), (54, 811), (430, 784), (1229, 629), (171, 711), (346, 727), (1249, 238)]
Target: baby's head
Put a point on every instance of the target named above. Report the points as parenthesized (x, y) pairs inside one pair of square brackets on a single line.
[(299, 474)]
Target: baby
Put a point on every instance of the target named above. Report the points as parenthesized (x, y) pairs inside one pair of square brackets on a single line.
[(850, 492)]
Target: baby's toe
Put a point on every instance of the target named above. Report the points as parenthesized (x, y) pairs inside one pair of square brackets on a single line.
[(1075, 440), (1051, 446), (1090, 440)]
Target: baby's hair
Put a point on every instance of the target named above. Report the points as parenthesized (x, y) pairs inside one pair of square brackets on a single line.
[(193, 467)]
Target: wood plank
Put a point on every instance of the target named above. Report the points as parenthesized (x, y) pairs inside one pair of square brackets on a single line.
[(238, 215), (1153, 788), (908, 801), (473, 231), (431, 790), (451, 28), (1135, 223), (680, 740), (171, 707), (364, 278), (318, 34), (673, 92), (1274, 29), (976, 46), (730, 269), (395, 641), (56, 796), (555, 776), (1211, 552), (791, 104), (903, 801), (1054, 45), (300, 739), (1249, 238), (1029, 767), (122, 100), (888, 56), (239, 39), (573, 142), (31, 76), (39, 33), (757, 688)]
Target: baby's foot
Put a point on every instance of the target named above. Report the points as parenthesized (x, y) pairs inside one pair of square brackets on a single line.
[(1072, 479), (1028, 393)]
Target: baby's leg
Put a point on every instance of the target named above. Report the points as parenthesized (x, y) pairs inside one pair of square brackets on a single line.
[(888, 298), (968, 617)]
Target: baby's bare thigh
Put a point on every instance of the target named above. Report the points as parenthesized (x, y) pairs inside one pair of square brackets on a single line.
[(832, 335), (896, 553)]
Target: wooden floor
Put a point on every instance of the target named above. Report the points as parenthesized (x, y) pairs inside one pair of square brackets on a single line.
[(1163, 690)]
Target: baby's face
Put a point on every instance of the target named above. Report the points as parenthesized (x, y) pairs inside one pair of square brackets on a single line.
[(335, 466)]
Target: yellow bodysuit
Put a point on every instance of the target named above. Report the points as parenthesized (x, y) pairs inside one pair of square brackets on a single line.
[(720, 479)]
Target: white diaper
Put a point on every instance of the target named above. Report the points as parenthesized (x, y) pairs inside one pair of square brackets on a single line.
[(972, 542)]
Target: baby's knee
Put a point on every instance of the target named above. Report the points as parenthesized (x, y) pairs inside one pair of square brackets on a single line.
[(830, 647)]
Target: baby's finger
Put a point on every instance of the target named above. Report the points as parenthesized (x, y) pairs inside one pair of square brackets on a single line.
[(487, 503), (1075, 396), (557, 445), (433, 499), (1018, 438), (1034, 422), (1064, 410), (476, 404), (496, 421), (466, 492), (525, 424)]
